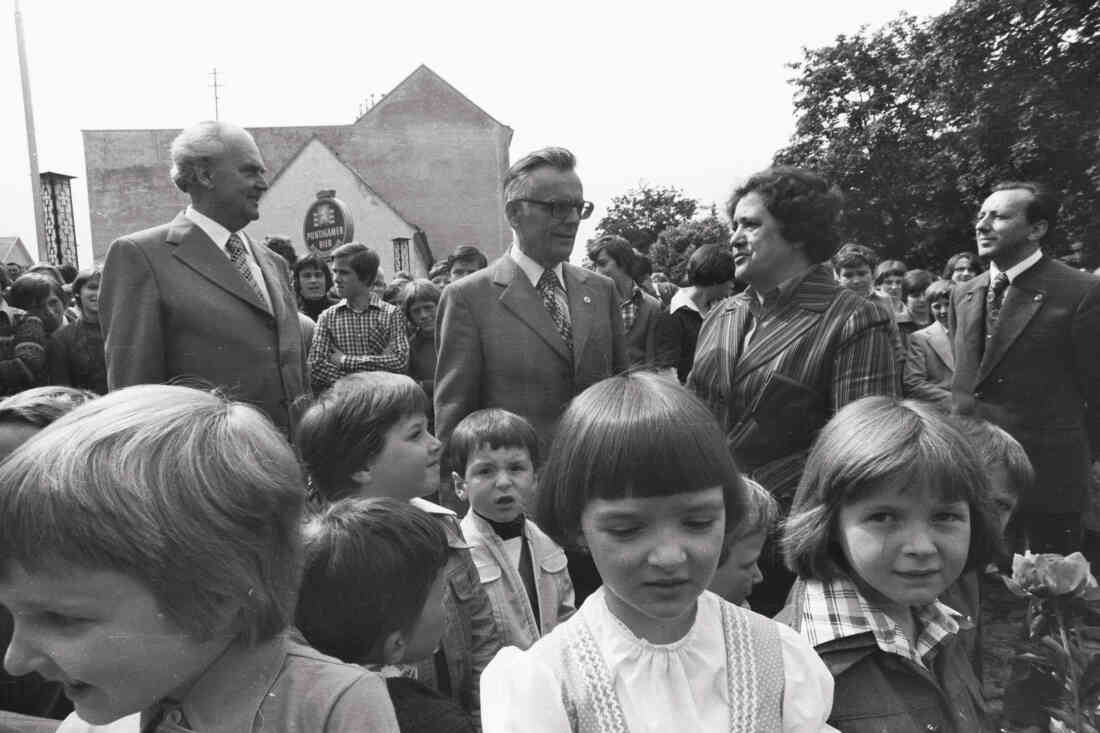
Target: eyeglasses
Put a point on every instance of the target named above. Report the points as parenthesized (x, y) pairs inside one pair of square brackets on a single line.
[(561, 209)]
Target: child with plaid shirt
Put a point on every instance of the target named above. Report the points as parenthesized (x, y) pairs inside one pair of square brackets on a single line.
[(893, 507)]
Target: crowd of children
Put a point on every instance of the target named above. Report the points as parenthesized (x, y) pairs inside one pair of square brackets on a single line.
[(171, 563)]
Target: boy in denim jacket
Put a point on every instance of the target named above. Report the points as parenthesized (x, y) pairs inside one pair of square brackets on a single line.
[(493, 453)]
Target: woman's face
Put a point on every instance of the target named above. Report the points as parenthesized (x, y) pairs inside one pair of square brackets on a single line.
[(761, 255), (311, 283), (963, 270)]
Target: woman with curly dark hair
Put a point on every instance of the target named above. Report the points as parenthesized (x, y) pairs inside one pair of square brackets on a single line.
[(776, 361)]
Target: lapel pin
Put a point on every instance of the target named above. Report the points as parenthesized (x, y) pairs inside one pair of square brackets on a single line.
[(1038, 296), (587, 299)]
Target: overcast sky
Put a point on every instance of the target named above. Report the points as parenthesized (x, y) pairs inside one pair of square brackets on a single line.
[(694, 94)]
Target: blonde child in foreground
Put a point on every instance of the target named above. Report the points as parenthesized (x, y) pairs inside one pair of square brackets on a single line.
[(493, 454), (893, 507), (149, 553), (640, 475)]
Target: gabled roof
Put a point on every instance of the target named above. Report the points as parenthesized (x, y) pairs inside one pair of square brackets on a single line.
[(10, 246), (423, 70), (354, 172)]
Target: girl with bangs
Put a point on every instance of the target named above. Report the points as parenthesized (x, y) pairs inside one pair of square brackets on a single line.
[(639, 476), (893, 507)]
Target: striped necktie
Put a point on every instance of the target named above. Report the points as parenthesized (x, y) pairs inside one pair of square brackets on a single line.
[(553, 297), (239, 258), (994, 299)]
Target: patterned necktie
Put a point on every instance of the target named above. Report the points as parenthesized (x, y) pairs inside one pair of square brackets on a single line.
[(553, 297), (239, 258), (994, 298)]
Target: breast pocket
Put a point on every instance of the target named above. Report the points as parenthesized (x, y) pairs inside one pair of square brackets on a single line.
[(554, 580)]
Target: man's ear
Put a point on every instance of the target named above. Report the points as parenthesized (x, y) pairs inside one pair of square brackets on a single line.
[(1039, 230), (203, 177), (394, 648), (459, 484), (511, 213)]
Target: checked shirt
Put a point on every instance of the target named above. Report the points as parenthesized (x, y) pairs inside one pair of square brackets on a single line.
[(372, 340)]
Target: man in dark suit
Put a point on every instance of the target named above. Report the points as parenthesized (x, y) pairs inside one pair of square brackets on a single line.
[(1027, 358), (530, 331), (197, 299)]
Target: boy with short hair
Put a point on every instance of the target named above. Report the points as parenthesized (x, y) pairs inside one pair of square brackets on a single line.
[(465, 260), (149, 553), (361, 332), (494, 454), (372, 593)]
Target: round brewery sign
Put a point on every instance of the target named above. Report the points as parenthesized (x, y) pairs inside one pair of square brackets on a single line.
[(328, 223)]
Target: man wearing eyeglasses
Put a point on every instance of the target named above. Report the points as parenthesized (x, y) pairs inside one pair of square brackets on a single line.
[(530, 331)]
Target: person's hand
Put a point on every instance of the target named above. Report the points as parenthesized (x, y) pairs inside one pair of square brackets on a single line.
[(336, 357)]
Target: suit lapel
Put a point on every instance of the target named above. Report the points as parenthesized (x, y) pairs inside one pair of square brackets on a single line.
[(970, 321), (1020, 305), (520, 297), (198, 252), (941, 344), (581, 306)]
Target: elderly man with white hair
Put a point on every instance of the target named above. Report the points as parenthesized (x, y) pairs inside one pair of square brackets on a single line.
[(195, 299)]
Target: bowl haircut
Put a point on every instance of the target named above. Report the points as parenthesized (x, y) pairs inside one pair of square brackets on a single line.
[(635, 435), (871, 445), (196, 497), (495, 428), (345, 427), (369, 567)]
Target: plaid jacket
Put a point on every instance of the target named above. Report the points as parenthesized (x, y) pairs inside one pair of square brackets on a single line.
[(817, 348)]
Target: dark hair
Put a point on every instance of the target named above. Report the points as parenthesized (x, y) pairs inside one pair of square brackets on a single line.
[(468, 253), (854, 255), (31, 290), (67, 271), (416, 291), (40, 406), (1044, 202), (312, 261), (495, 428), (871, 444), (618, 249), (362, 260), (803, 203), (46, 269), (633, 435), (440, 268), (369, 568), (891, 267), (514, 180), (941, 289), (345, 427), (282, 247), (996, 447), (975, 264), (917, 281), (710, 264), (83, 278)]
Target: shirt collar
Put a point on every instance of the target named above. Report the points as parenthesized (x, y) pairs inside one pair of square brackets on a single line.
[(836, 609), (782, 292), (1018, 269), (532, 269), (375, 302), (682, 299), (217, 233), (635, 294), (230, 692)]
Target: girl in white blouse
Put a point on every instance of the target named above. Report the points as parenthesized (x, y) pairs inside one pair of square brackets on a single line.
[(640, 476)]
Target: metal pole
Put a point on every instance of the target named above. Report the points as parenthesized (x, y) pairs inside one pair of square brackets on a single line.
[(32, 146)]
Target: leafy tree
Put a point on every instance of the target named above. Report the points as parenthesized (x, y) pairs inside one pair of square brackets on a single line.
[(917, 119), (675, 245), (641, 214)]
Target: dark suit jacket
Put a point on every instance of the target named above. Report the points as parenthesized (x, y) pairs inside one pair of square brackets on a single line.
[(819, 348), (650, 342), (173, 305), (1038, 377), (497, 346), (930, 366)]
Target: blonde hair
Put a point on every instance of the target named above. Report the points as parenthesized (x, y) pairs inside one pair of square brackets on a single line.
[(196, 497)]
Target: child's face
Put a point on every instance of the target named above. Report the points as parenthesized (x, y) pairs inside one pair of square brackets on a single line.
[(89, 298), (857, 279), (1003, 495), (102, 635), (51, 312), (734, 580), (907, 547), (422, 316), (311, 283), (423, 638), (941, 309), (499, 482), (891, 285), (408, 464), (656, 555)]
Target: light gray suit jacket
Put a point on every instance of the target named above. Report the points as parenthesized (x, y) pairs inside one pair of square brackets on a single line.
[(497, 346), (172, 306)]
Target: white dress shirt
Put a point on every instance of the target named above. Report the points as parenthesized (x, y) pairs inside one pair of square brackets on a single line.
[(1016, 270), (220, 236), (534, 270)]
